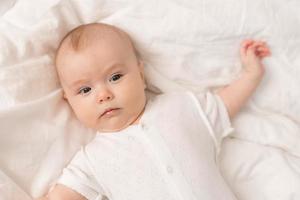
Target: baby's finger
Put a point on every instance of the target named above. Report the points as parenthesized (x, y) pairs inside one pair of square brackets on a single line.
[(259, 44), (263, 53), (251, 51), (247, 43), (263, 49), (244, 46)]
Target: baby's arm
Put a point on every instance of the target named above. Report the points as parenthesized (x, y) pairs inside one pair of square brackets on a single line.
[(236, 94), (61, 192)]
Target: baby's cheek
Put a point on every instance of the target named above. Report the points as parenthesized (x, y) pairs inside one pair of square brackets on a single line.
[(83, 113)]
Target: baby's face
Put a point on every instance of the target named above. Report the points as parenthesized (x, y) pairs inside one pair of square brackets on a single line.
[(105, 75)]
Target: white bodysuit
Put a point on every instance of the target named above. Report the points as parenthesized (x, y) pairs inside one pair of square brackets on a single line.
[(170, 155)]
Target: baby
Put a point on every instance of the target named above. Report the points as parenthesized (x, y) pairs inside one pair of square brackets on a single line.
[(164, 147)]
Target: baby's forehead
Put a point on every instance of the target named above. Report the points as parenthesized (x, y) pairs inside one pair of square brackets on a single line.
[(86, 35), (95, 34), (81, 41)]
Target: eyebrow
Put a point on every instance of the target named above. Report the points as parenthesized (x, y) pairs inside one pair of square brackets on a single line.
[(74, 84), (107, 69)]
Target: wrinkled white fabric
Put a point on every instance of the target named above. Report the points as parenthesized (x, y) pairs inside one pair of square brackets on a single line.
[(186, 45)]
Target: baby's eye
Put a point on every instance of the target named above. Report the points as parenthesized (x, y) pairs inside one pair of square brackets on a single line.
[(84, 90), (115, 77)]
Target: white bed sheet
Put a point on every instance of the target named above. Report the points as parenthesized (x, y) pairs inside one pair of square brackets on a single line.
[(187, 45)]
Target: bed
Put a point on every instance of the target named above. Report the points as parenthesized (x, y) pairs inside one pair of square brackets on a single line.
[(186, 45)]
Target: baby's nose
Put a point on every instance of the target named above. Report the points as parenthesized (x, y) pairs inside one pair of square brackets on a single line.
[(104, 95)]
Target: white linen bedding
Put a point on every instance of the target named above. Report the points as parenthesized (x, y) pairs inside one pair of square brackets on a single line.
[(187, 45)]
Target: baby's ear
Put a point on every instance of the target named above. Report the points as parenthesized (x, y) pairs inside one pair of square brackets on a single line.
[(64, 96), (142, 72), (141, 67)]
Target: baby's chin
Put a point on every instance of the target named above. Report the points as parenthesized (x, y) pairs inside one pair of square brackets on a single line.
[(114, 127), (117, 124), (109, 130)]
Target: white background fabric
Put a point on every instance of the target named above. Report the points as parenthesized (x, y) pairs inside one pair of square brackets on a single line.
[(187, 45)]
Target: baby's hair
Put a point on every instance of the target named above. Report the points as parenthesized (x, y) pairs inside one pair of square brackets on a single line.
[(77, 39)]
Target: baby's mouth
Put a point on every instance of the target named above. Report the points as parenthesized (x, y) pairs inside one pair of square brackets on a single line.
[(109, 112)]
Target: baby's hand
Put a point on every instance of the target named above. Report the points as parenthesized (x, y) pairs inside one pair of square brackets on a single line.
[(236, 94), (252, 52)]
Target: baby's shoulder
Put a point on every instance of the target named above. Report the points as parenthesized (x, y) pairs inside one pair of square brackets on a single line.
[(173, 96), (171, 99), (169, 94)]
